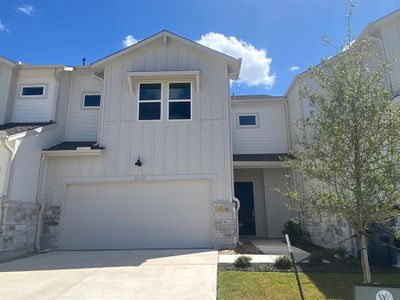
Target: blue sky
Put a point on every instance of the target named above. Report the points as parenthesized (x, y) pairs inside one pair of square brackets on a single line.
[(274, 36)]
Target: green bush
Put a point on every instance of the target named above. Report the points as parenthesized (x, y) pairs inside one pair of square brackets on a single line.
[(297, 234), (243, 262), (283, 262), (341, 252), (316, 258), (353, 262)]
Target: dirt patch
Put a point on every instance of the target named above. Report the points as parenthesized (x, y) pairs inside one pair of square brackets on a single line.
[(243, 247)]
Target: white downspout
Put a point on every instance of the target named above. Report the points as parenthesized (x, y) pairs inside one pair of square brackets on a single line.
[(42, 172)]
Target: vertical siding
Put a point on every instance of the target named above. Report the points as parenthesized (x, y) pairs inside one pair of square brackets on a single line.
[(6, 76), (24, 180), (199, 146), (82, 123), (32, 109), (271, 134)]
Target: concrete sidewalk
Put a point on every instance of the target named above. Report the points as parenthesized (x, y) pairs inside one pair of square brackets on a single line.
[(133, 274), (275, 247), (272, 249)]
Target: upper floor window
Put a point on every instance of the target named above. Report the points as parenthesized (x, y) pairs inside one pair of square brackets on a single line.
[(247, 120), (91, 100), (32, 91), (150, 97), (179, 101)]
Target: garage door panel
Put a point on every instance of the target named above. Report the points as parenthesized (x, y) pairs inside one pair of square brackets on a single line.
[(137, 215)]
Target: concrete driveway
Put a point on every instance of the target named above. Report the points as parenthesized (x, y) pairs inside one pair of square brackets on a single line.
[(125, 274)]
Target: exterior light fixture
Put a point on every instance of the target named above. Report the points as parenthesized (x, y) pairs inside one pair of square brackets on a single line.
[(138, 162)]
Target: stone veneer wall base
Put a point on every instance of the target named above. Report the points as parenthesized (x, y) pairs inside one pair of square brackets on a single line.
[(18, 221), (225, 225)]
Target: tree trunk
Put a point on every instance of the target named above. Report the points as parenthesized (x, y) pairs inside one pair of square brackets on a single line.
[(364, 259)]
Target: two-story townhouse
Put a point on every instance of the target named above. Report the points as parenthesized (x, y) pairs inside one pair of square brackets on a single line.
[(133, 151), (146, 149)]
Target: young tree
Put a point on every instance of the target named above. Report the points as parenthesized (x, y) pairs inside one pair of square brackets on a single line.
[(349, 145)]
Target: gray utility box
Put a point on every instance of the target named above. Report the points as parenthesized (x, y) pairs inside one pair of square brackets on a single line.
[(363, 291)]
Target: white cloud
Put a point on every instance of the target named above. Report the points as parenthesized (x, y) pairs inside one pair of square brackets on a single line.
[(294, 68), (255, 62), (129, 41), (3, 27), (26, 9)]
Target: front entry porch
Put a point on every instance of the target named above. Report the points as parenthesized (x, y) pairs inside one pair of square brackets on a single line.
[(263, 209)]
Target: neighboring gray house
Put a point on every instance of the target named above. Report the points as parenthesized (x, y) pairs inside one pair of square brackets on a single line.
[(147, 149)]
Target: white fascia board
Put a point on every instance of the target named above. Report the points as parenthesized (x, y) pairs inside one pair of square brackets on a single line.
[(233, 63), (72, 152), (257, 164)]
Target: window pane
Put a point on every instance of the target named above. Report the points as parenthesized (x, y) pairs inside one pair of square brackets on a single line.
[(149, 111), (33, 91), (92, 101), (247, 120), (179, 110), (150, 91), (179, 91)]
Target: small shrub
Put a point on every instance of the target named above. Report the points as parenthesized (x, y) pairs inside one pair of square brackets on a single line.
[(283, 262), (316, 258), (353, 262), (243, 262), (296, 233), (341, 252)]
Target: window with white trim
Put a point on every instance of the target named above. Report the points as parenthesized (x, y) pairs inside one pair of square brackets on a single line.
[(247, 120), (179, 101), (32, 91), (150, 97), (91, 100)]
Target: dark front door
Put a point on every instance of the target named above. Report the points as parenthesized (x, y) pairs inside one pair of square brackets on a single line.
[(244, 192)]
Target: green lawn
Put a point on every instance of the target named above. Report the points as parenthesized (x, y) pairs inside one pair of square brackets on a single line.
[(275, 286)]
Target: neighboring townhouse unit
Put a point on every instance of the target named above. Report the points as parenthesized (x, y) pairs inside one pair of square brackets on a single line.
[(385, 41), (146, 148)]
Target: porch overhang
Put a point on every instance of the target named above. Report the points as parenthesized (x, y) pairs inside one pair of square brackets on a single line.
[(264, 160), (70, 148)]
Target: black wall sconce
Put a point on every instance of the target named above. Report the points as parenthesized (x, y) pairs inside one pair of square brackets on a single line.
[(138, 162)]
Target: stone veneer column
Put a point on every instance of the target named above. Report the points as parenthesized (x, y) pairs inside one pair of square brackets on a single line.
[(51, 226), (225, 225), (18, 221)]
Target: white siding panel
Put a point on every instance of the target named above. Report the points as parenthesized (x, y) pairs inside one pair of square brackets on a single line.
[(32, 109), (197, 147), (271, 134), (26, 164), (82, 123)]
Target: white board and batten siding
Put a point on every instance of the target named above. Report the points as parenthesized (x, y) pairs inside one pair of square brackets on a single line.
[(168, 149), (7, 86), (26, 165), (35, 109), (83, 122), (270, 135)]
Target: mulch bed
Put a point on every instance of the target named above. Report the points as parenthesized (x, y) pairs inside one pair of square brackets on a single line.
[(332, 267), (243, 247)]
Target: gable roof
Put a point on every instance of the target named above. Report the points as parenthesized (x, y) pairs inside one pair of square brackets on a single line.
[(233, 63), (7, 61), (366, 31)]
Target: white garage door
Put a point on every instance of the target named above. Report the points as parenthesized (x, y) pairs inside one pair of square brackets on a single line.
[(174, 214)]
